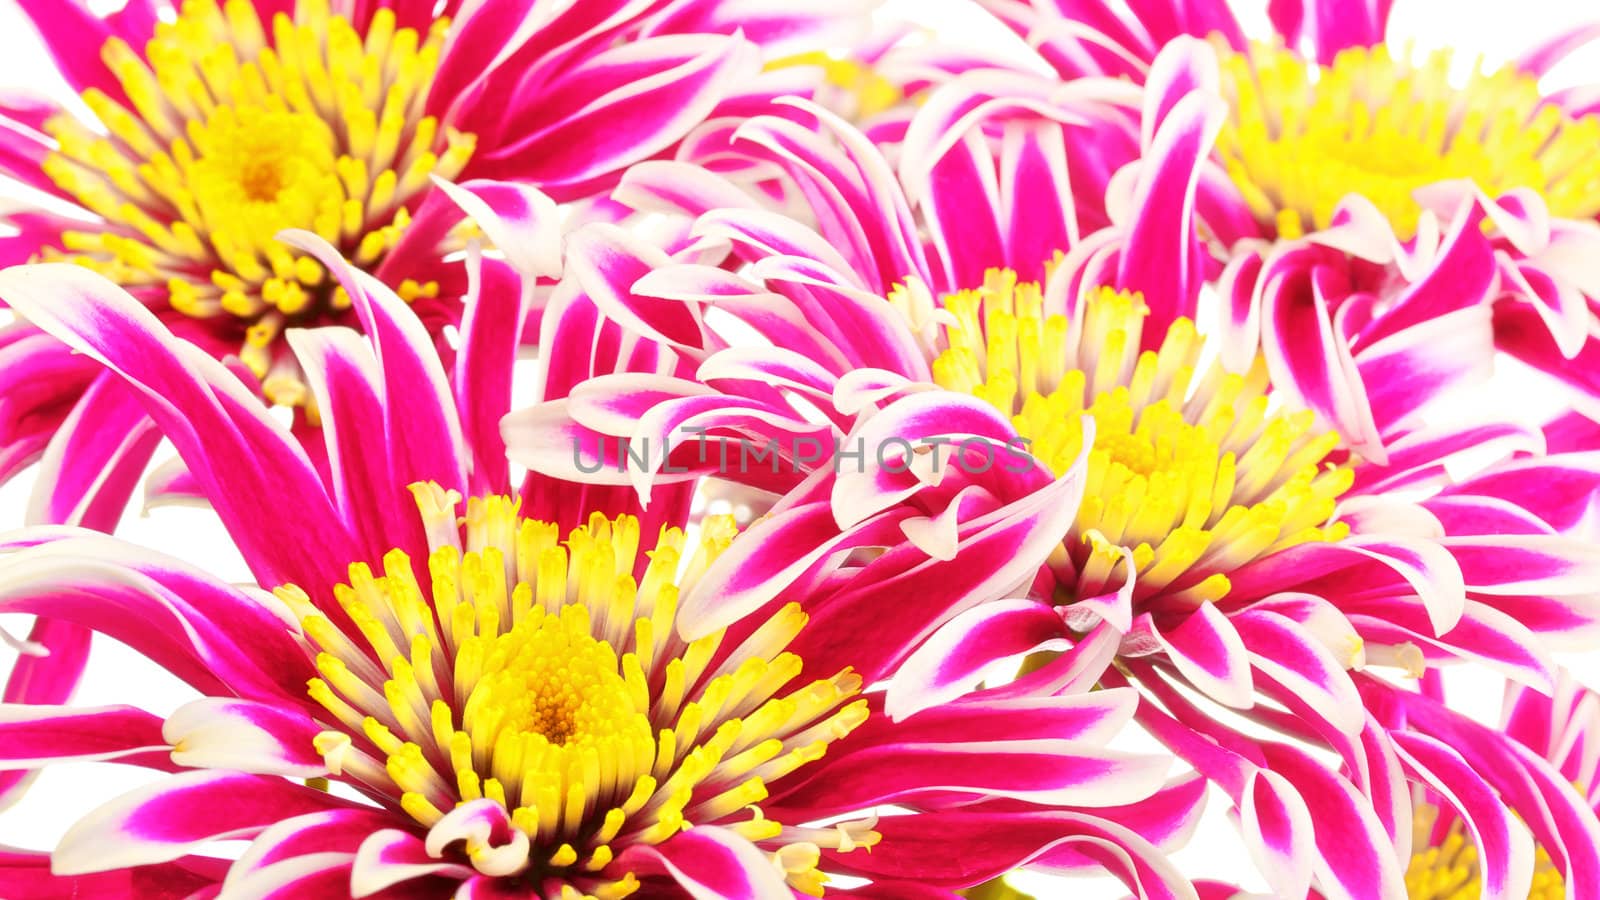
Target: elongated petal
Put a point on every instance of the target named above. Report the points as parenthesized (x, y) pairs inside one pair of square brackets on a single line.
[(1161, 257), (32, 736), (1279, 834), (660, 87), (1355, 858), (91, 466), (208, 633), (392, 856), (1052, 772), (520, 220), (416, 391), (180, 814), (497, 305), (960, 848)]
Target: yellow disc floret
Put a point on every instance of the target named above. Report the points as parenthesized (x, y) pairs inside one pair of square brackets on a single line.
[(235, 130), (538, 673), (1302, 137), (1191, 472)]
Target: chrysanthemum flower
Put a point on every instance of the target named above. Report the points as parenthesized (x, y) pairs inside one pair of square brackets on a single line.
[(219, 124), (1228, 541), (215, 124), (1335, 135), (486, 704)]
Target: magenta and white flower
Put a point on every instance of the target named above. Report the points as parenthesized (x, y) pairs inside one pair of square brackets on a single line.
[(1320, 143), (434, 692), (1222, 534)]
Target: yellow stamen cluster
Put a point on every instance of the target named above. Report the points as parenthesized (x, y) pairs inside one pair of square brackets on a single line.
[(540, 674), (1302, 137), (238, 129), (1191, 470), (865, 91), (1444, 865)]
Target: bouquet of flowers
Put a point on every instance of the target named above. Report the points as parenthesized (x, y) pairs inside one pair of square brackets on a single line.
[(565, 449)]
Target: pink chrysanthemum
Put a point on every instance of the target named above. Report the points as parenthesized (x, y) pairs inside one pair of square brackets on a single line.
[(512, 695), (1369, 153), (1224, 539)]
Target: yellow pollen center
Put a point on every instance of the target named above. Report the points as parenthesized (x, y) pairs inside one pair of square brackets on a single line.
[(236, 129), (1191, 471), (538, 673), (1304, 137), (552, 684), (867, 90)]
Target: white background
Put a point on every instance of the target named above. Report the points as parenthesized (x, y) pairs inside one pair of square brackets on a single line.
[(1496, 30)]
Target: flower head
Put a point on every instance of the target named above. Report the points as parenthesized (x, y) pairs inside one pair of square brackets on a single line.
[(234, 121), (233, 129), (499, 702), (1302, 137), (1343, 160)]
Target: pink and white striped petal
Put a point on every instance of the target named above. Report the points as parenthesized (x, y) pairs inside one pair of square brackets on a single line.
[(970, 647), (244, 736), (179, 815)]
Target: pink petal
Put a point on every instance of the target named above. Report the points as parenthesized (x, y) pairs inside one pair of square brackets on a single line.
[(426, 437), (958, 848), (391, 856), (1505, 850), (484, 368), (1208, 651), (180, 814), (93, 463), (1161, 255), (715, 864), (33, 736), (519, 220), (655, 88), (210, 634), (1278, 832), (1299, 668), (1354, 856), (245, 736), (960, 654)]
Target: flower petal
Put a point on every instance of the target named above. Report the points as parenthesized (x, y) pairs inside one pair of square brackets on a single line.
[(712, 863), (180, 814), (245, 736)]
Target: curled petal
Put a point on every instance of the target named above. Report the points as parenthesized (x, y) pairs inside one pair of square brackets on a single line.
[(964, 650)]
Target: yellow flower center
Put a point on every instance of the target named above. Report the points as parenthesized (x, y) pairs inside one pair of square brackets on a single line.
[(1191, 470), (867, 91), (1304, 137), (538, 673), (1444, 865), (238, 129)]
